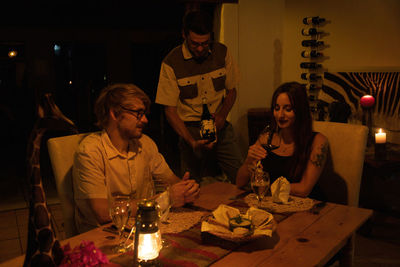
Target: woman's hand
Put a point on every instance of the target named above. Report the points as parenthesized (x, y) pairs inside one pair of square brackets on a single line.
[(255, 153)]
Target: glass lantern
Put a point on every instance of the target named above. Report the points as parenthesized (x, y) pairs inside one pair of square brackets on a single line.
[(148, 242)]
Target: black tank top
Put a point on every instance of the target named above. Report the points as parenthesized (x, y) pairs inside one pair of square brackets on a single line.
[(278, 166)]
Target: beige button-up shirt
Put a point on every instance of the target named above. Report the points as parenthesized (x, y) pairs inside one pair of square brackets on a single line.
[(99, 168)]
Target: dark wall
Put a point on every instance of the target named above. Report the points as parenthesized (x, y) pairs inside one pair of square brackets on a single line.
[(73, 50)]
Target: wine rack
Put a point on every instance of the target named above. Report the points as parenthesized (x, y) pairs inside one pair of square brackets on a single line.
[(311, 65)]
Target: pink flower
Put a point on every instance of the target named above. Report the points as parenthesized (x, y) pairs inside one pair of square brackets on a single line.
[(83, 255)]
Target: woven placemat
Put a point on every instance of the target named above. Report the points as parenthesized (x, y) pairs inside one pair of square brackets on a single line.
[(295, 204), (181, 219)]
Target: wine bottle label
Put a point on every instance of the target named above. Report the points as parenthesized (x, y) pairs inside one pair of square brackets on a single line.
[(207, 130), (305, 54), (304, 32), (308, 32), (308, 20), (313, 20)]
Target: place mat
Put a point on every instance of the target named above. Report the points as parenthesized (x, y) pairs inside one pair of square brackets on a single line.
[(295, 204), (184, 249), (185, 217), (191, 247)]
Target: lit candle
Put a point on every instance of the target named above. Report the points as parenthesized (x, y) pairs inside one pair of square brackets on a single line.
[(380, 137), (367, 101)]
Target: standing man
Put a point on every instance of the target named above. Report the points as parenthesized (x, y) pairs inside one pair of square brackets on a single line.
[(121, 158), (196, 70)]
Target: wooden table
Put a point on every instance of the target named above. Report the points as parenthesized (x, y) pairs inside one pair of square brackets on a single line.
[(303, 239)]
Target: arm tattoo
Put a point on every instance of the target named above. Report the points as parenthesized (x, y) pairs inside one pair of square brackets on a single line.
[(319, 159)]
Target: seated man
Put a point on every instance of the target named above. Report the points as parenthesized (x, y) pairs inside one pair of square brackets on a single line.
[(121, 157)]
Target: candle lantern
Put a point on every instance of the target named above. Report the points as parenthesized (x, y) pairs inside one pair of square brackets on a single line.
[(148, 242), (367, 103), (380, 145)]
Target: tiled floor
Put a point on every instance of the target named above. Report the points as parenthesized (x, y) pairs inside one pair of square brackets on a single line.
[(14, 230)]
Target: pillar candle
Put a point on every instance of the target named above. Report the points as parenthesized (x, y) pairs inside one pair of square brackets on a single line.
[(380, 137)]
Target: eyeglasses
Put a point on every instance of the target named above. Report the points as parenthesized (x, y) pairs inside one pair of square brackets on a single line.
[(138, 113), (202, 44)]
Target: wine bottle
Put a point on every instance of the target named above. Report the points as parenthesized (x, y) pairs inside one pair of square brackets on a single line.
[(309, 32), (312, 43), (312, 98), (311, 54), (207, 124), (310, 76), (312, 87), (310, 65), (313, 20)]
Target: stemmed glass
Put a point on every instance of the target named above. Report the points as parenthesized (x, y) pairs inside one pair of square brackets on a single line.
[(260, 182), (164, 204), (120, 211), (265, 138)]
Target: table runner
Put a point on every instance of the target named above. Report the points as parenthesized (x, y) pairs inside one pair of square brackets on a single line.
[(192, 248)]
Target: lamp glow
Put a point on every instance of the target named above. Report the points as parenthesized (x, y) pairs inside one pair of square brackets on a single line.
[(148, 242), (149, 246), (12, 53), (380, 137)]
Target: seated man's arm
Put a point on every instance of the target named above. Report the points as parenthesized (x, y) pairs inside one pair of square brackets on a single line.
[(99, 207), (90, 190)]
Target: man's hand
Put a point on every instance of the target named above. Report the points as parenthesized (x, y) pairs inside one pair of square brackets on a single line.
[(199, 145), (184, 191), (193, 192)]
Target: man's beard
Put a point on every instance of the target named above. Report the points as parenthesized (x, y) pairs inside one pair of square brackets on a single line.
[(200, 58)]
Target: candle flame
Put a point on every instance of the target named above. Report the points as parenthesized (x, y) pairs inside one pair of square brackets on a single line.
[(149, 246), (380, 130)]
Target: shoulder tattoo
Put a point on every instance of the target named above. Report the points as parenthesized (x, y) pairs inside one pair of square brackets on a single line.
[(319, 158)]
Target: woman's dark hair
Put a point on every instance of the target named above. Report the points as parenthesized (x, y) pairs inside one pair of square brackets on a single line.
[(302, 127), (199, 21)]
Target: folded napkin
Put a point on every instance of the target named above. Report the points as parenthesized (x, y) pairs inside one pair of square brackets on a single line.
[(164, 205), (280, 190), (261, 220)]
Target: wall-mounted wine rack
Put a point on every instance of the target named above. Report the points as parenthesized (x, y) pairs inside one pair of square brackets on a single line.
[(311, 66)]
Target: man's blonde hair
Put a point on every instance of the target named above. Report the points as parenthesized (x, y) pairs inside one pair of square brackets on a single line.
[(113, 97)]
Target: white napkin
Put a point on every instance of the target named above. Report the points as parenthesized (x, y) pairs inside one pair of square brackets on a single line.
[(261, 220), (280, 190), (164, 205)]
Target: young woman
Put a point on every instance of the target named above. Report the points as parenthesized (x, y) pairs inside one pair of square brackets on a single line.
[(301, 153)]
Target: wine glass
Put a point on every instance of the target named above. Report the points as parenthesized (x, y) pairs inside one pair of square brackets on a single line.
[(265, 138), (260, 182), (164, 204), (120, 211)]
